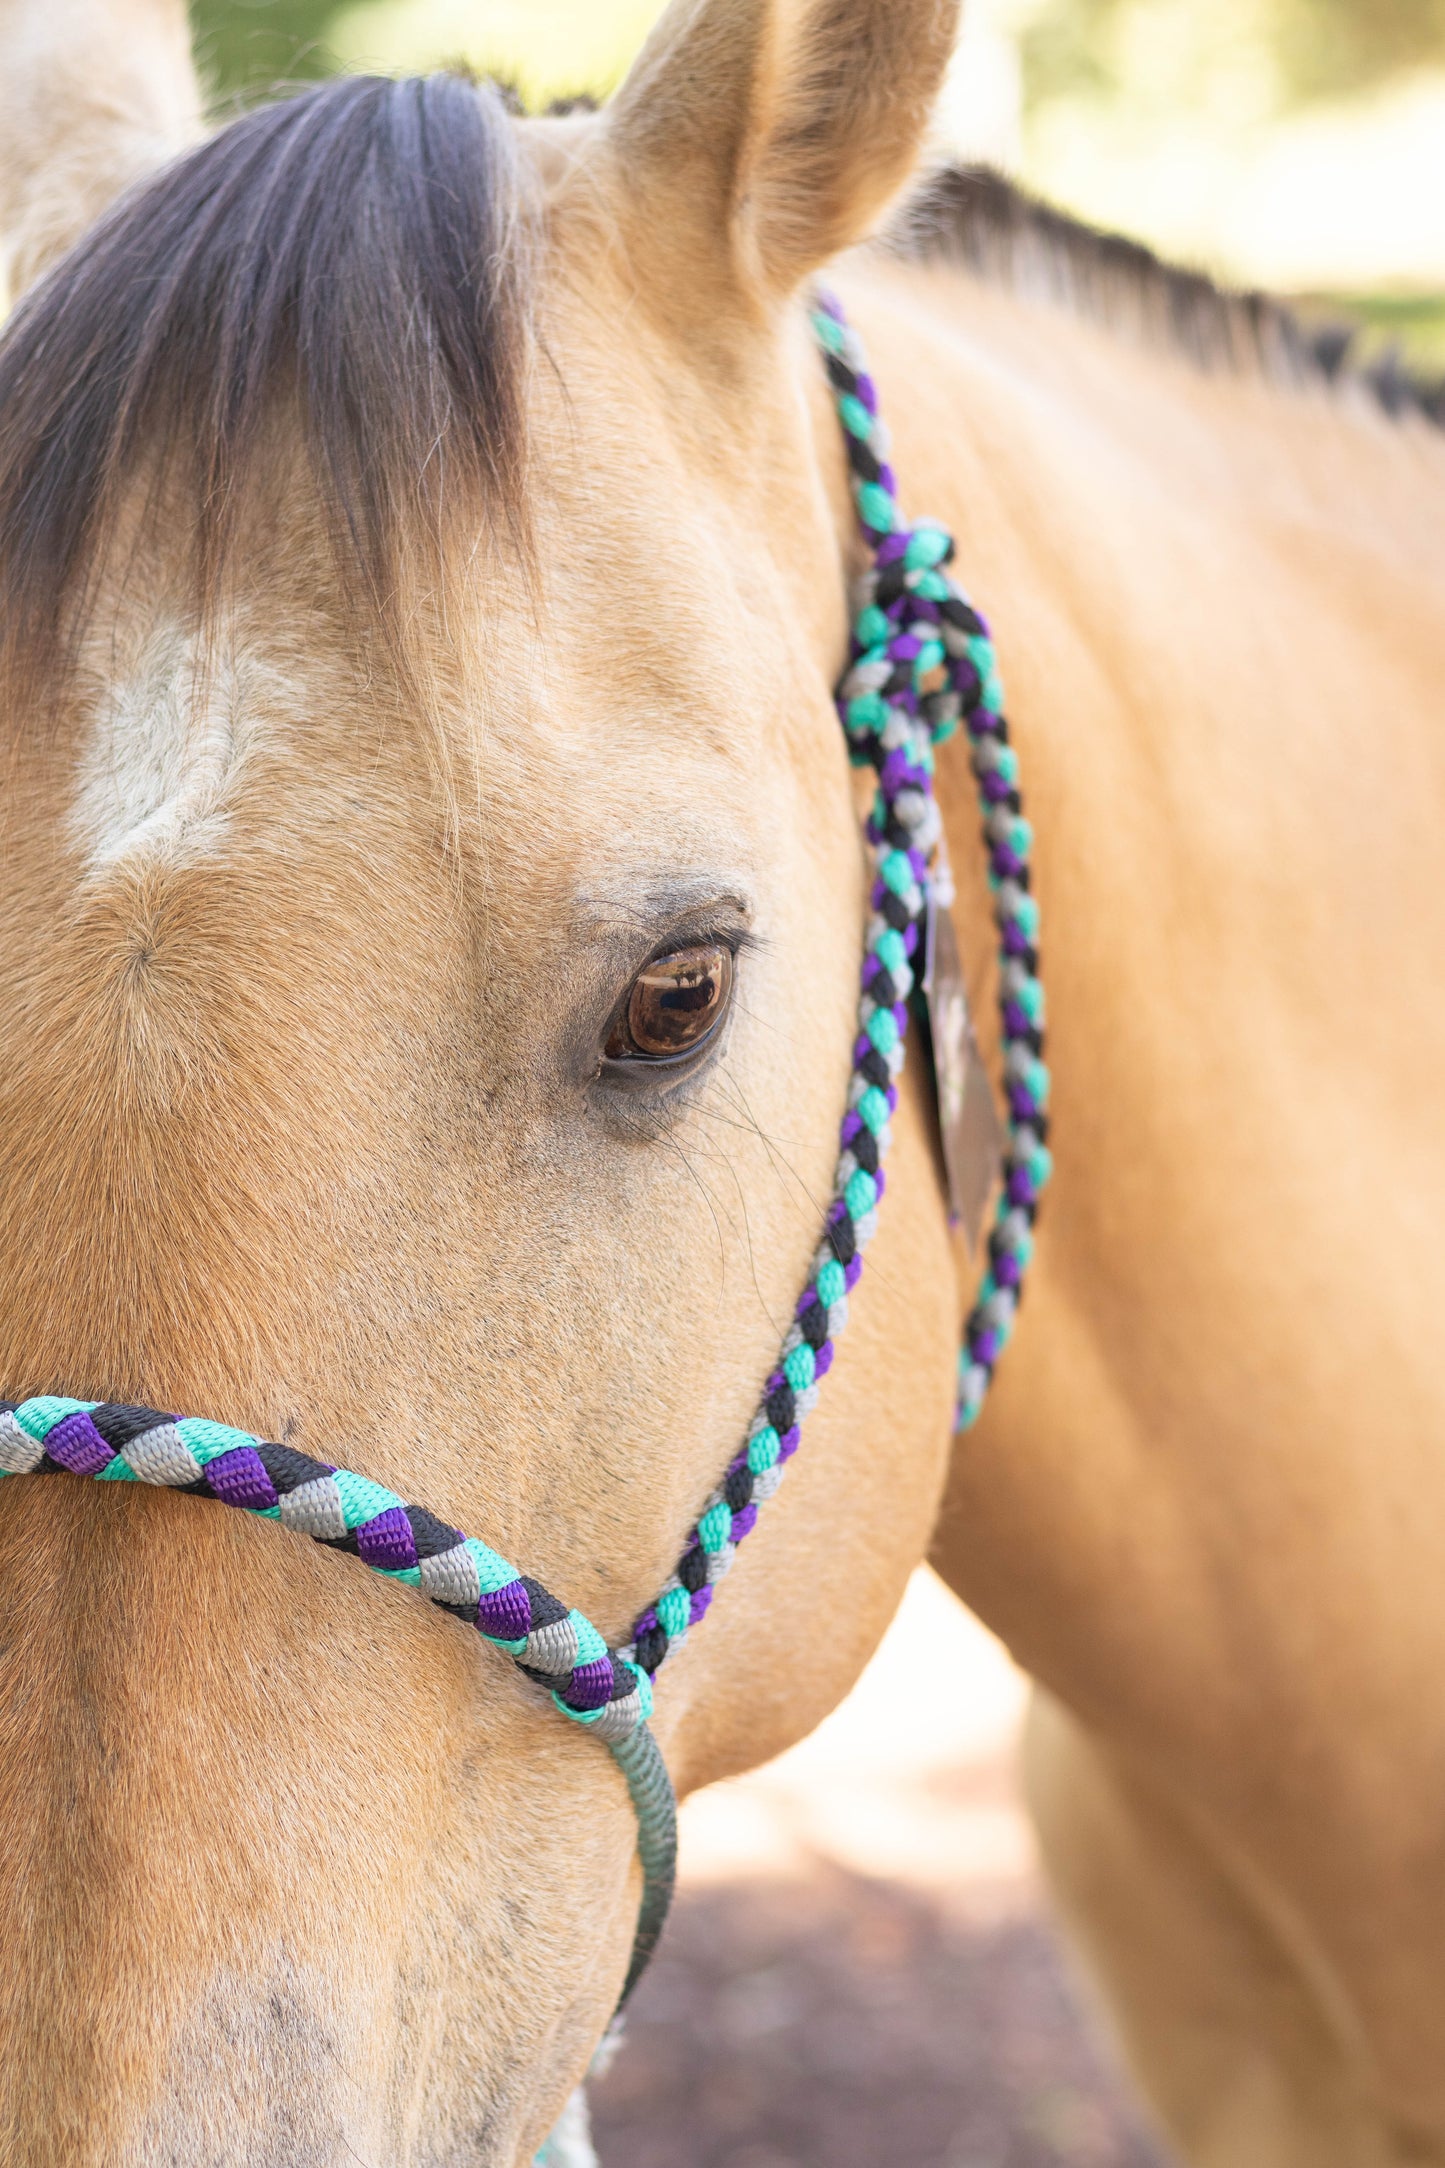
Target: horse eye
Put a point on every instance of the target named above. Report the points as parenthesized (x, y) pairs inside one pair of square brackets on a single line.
[(674, 1004)]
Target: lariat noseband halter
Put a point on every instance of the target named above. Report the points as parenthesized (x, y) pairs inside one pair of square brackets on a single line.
[(920, 661)]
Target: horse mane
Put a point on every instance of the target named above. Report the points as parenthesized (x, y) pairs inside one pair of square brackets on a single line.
[(972, 215), (357, 255), (354, 256)]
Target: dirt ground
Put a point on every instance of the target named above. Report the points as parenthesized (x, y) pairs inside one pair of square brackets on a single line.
[(859, 1972), (841, 2023)]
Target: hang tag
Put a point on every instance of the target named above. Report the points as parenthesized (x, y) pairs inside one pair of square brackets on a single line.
[(969, 1128)]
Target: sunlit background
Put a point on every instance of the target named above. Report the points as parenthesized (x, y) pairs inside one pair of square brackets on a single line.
[(860, 1967), (1292, 144)]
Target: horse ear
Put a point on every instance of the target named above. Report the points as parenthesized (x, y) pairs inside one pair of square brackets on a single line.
[(778, 130), (94, 94)]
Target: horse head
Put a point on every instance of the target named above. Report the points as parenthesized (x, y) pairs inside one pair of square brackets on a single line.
[(432, 905)]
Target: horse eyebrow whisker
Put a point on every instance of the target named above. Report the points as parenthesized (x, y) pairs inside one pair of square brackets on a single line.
[(660, 1135), (773, 1149)]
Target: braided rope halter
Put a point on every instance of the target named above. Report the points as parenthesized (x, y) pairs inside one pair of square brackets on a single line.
[(920, 661)]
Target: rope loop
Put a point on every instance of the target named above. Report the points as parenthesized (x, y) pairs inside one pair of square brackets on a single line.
[(921, 653), (920, 663)]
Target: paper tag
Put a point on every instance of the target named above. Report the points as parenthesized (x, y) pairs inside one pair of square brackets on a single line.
[(969, 1128)]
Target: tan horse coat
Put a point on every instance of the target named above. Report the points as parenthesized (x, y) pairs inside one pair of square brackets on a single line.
[(1206, 1504), (290, 1873)]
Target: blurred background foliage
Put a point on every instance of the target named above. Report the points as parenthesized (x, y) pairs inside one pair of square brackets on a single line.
[(546, 47), (1313, 49), (1294, 144), (246, 46)]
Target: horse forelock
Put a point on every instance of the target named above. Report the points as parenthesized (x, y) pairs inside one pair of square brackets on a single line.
[(350, 265)]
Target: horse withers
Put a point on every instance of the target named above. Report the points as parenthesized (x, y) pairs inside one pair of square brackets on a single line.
[(425, 544)]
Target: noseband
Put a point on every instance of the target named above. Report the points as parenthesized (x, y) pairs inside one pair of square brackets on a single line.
[(920, 662)]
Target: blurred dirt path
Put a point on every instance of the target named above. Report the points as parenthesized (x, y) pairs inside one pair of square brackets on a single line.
[(859, 1972)]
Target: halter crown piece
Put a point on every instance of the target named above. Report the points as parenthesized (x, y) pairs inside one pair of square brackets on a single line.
[(920, 662)]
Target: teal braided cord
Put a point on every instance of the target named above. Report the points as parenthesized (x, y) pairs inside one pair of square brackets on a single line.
[(655, 1804)]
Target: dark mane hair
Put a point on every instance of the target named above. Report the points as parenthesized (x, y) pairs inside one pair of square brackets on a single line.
[(353, 252), (974, 216)]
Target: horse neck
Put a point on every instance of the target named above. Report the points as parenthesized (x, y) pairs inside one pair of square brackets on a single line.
[(1216, 607)]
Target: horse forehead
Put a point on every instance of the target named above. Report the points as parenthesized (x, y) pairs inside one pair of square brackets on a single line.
[(650, 655)]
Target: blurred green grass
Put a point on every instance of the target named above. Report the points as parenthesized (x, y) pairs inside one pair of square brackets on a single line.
[(1416, 322), (1410, 324), (244, 47), (547, 48)]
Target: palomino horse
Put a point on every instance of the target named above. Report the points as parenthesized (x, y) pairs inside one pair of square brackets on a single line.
[(424, 545)]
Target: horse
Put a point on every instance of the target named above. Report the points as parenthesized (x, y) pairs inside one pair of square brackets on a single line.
[(424, 551)]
